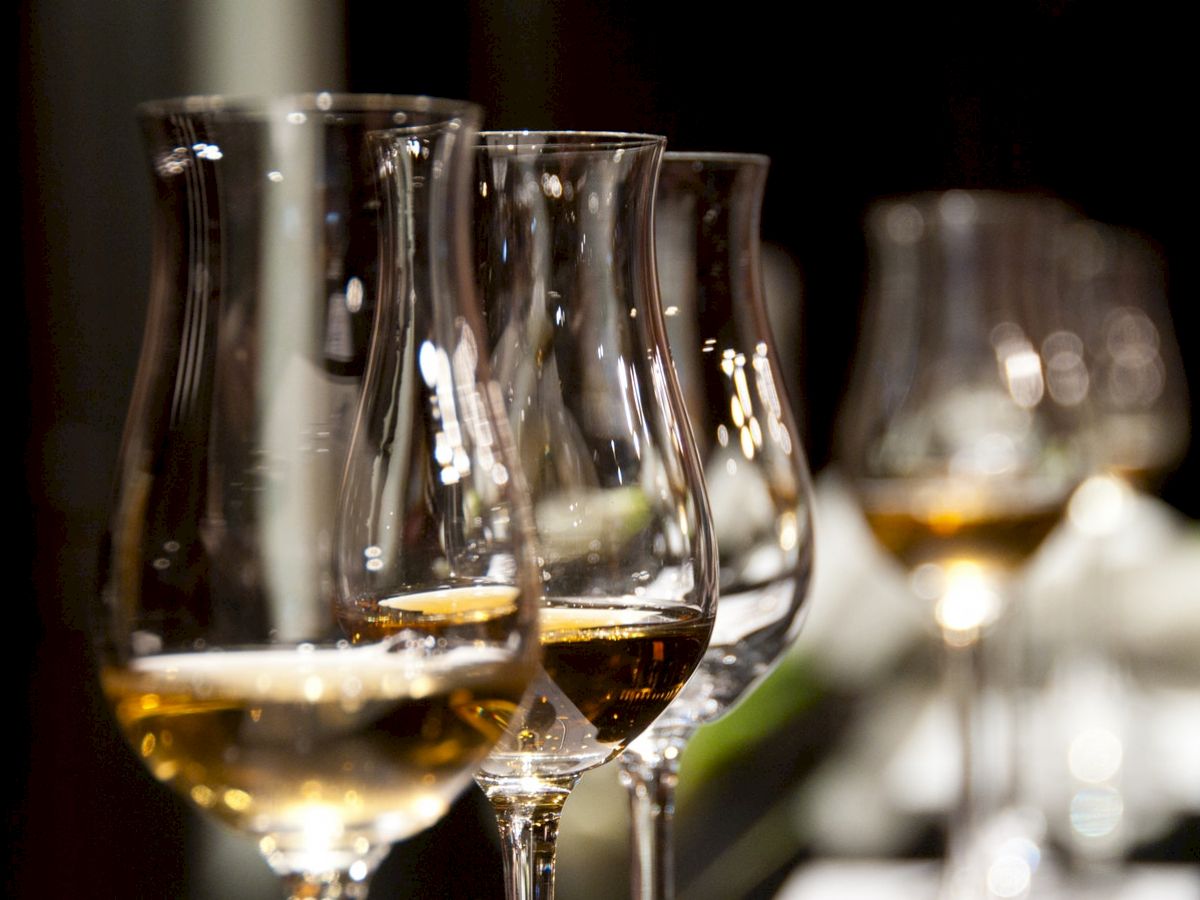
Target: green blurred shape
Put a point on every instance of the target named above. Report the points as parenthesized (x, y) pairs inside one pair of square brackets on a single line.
[(789, 690)]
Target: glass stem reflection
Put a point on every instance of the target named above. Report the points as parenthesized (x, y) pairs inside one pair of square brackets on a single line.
[(528, 813), (965, 683), (985, 708), (651, 779)]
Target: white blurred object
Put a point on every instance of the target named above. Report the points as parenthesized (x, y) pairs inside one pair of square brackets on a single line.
[(895, 765), (1134, 730), (862, 618), (265, 47), (862, 880), (890, 880)]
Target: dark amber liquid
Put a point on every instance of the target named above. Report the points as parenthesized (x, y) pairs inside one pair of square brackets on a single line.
[(621, 677), (486, 613), (1000, 538)]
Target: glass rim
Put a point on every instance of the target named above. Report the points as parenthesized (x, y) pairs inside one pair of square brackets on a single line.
[(553, 140), (986, 205), (266, 105), (1028, 197), (717, 157)]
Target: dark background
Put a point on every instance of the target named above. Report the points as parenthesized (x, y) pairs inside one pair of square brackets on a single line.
[(1090, 101)]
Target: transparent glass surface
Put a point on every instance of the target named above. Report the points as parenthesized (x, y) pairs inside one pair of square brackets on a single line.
[(566, 269), (251, 672), (707, 243), (964, 451), (1127, 358)]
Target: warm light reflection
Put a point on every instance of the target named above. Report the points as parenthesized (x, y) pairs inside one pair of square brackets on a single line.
[(314, 688), (1023, 374), (735, 412), (750, 430), (238, 801), (747, 443), (320, 827), (789, 531), (968, 602)]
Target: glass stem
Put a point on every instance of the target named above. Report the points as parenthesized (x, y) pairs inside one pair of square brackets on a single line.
[(337, 875), (964, 684), (335, 885), (527, 814), (984, 709), (651, 781), (964, 673)]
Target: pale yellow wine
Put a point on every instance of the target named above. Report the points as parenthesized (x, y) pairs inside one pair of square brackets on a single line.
[(316, 747)]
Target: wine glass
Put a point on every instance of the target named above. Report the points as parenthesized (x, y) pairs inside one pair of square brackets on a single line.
[(1135, 382), (963, 459), (249, 671), (707, 242), (1127, 359), (566, 269)]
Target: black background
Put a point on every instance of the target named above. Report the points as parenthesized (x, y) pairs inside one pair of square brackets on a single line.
[(1090, 101)]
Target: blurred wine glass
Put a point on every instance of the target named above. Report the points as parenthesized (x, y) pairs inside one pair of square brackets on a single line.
[(963, 457), (1138, 391), (566, 270), (707, 245), (1115, 279), (320, 709)]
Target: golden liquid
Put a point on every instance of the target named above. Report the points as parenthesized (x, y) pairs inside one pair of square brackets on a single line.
[(317, 749), (999, 537), (606, 675), (620, 677), (472, 613)]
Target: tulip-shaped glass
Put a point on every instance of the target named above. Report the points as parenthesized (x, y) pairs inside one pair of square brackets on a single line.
[(963, 450), (247, 669), (707, 243), (566, 269)]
